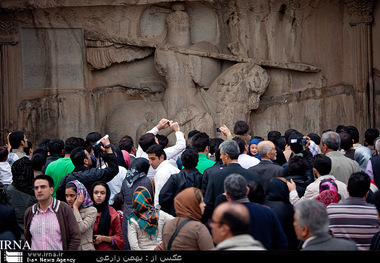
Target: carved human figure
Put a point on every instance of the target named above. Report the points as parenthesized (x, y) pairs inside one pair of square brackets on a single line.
[(181, 93)]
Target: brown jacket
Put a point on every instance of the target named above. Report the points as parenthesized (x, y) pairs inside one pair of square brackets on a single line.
[(193, 235), (69, 227)]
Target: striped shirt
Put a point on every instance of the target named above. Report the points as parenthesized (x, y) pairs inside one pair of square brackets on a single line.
[(354, 219), (45, 230)]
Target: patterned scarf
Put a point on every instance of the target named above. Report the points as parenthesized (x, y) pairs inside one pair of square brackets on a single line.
[(81, 189), (144, 212), (139, 168)]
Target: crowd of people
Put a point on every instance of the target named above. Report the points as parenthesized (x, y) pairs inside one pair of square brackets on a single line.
[(285, 192)]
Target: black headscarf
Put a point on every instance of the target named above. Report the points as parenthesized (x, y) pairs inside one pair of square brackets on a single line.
[(105, 219), (278, 191), (139, 168)]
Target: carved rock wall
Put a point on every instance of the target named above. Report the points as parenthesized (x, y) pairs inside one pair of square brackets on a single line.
[(70, 68)]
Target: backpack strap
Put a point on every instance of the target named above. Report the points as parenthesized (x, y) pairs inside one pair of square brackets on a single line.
[(176, 232)]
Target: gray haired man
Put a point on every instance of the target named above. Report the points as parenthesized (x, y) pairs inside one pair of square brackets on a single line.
[(311, 225), (342, 167)]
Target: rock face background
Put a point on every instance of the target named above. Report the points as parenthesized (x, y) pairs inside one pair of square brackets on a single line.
[(72, 67)]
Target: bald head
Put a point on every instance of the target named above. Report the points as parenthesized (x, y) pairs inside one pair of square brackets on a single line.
[(229, 219), (267, 150)]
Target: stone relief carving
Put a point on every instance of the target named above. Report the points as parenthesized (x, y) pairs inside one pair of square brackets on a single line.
[(197, 94), (178, 73)]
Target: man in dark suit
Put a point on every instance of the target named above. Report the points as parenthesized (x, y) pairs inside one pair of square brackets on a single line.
[(266, 169), (311, 226), (229, 153)]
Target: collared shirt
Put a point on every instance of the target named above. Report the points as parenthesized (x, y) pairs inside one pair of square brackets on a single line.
[(163, 172), (45, 230)]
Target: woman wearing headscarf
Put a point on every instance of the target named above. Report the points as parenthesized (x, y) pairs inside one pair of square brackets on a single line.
[(84, 211), (145, 223), (136, 176), (328, 192), (277, 198), (107, 227), (186, 232), (20, 194), (362, 156)]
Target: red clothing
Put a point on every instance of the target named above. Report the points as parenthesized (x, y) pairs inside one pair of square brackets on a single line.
[(115, 232)]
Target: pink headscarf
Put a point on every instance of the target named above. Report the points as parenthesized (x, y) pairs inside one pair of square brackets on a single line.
[(126, 157), (327, 197)]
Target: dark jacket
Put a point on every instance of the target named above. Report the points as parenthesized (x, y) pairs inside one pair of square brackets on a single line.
[(88, 176), (8, 221), (216, 167), (266, 171), (175, 184), (277, 198), (265, 227), (215, 185), (20, 201), (68, 224)]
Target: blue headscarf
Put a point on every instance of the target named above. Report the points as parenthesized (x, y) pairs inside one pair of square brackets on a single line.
[(253, 141)]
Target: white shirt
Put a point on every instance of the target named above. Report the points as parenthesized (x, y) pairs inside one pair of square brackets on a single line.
[(163, 172), (170, 152), (5, 173), (116, 182), (247, 161)]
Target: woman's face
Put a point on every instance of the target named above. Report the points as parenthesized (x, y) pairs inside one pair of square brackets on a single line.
[(202, 205), (100, 193), (71, 195), (253, 149)]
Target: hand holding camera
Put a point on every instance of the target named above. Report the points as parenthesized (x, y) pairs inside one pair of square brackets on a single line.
[(103, 144)]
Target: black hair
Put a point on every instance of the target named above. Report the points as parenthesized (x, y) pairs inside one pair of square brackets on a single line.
[(315, 138), (15, 139), (345, 141), (358, 184), (56, 146), (77, 156), (38, 161), (162, 140), (241, 128), (118, 201), (3, 154), (354, 132), (241, 143), (126, 143), (156, 149), (297, 165), (44, 177), (71, 143), (322, 164), (146, 140), (200, 141), (370, 135), (189, 158), (273, 136)]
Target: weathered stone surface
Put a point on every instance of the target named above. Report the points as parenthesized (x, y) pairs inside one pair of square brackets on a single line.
[(71, 67)]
